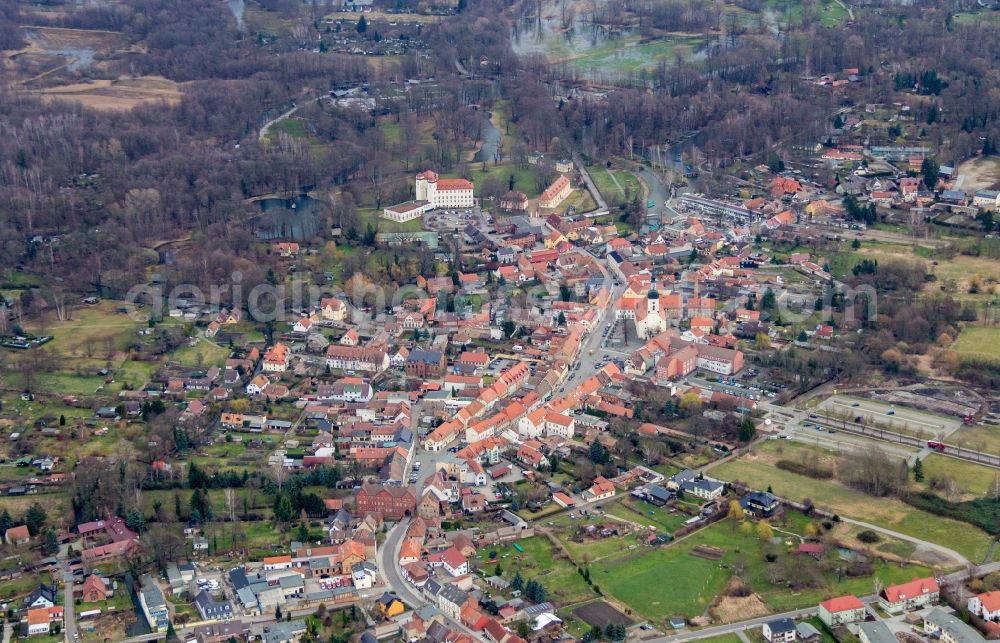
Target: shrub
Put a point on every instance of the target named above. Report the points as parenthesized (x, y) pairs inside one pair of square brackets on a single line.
[(803, 469), (868, 536)]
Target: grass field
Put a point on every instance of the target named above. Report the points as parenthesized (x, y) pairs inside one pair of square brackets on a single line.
[(757, 470), (370, 216), (632, 54), (974, 480), (980, 342), (203, 354), (828, 12), (722, 638), (525, 179), (539, 562), (986, 438), (581, 199), (616, 186), (637, 578), (93, 332), (646, 514)]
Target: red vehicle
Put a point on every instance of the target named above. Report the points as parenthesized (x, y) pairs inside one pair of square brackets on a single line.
[(969, 419), (938, 446)]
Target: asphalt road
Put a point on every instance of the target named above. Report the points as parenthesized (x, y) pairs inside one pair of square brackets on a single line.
[(69, 618), (602, 205)]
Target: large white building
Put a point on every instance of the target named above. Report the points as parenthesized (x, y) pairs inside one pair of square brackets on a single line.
[(444, 193), (432, 192)]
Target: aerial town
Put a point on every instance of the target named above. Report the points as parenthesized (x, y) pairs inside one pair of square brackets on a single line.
[(551, 320)]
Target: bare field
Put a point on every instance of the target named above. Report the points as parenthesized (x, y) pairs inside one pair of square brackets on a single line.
[(404, 18), (116, 95), (64, 38), (978, 174)]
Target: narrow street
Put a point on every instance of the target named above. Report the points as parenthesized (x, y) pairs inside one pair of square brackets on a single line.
[(69, 618)]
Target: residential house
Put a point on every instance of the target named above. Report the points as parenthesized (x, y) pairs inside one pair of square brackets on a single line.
[(272, 563), (781, 630), (601, 488), (276, 359), (704, 488), (332, 309), (284, 632), (760, 504), (454, 562), (876, 632), (95, 588), (40, 619), (949, 628), (842, 610), (389, 605), (986, 606), (920, 592), (154, 606), (17, 536), (44, 596), (212, 609), (364, 575)]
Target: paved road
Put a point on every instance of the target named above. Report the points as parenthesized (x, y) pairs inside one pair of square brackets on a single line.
[(730, 628), (961, 453), (796, 417), (590, 349), (387, 559), (602, 205), (69, 618)]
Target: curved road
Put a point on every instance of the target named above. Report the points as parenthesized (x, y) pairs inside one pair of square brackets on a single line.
[(940, 549)]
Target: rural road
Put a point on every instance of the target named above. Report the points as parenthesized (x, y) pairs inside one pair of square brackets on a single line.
[(940, 549), (274, 121)]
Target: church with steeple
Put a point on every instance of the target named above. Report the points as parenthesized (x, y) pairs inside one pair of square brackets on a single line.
[(648, 312)]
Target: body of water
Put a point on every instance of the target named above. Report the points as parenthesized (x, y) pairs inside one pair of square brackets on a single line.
[(297, 219), (491, 140)]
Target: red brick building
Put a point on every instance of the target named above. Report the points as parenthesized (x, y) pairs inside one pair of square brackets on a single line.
[(388, 502), (425, 364)]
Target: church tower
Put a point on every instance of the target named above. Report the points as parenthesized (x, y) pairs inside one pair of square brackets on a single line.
[(653, 299)]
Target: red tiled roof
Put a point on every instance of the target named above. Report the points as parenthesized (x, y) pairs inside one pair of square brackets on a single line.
[(842, 604), (916, 587)]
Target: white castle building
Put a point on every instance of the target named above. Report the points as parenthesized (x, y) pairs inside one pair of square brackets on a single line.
[(444, 193), (431, 193)]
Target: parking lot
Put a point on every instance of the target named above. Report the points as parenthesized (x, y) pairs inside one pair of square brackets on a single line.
[(747, 384), (453, 220), (889, 416)]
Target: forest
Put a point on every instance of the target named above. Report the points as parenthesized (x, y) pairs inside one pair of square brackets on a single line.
[(85, 195)]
